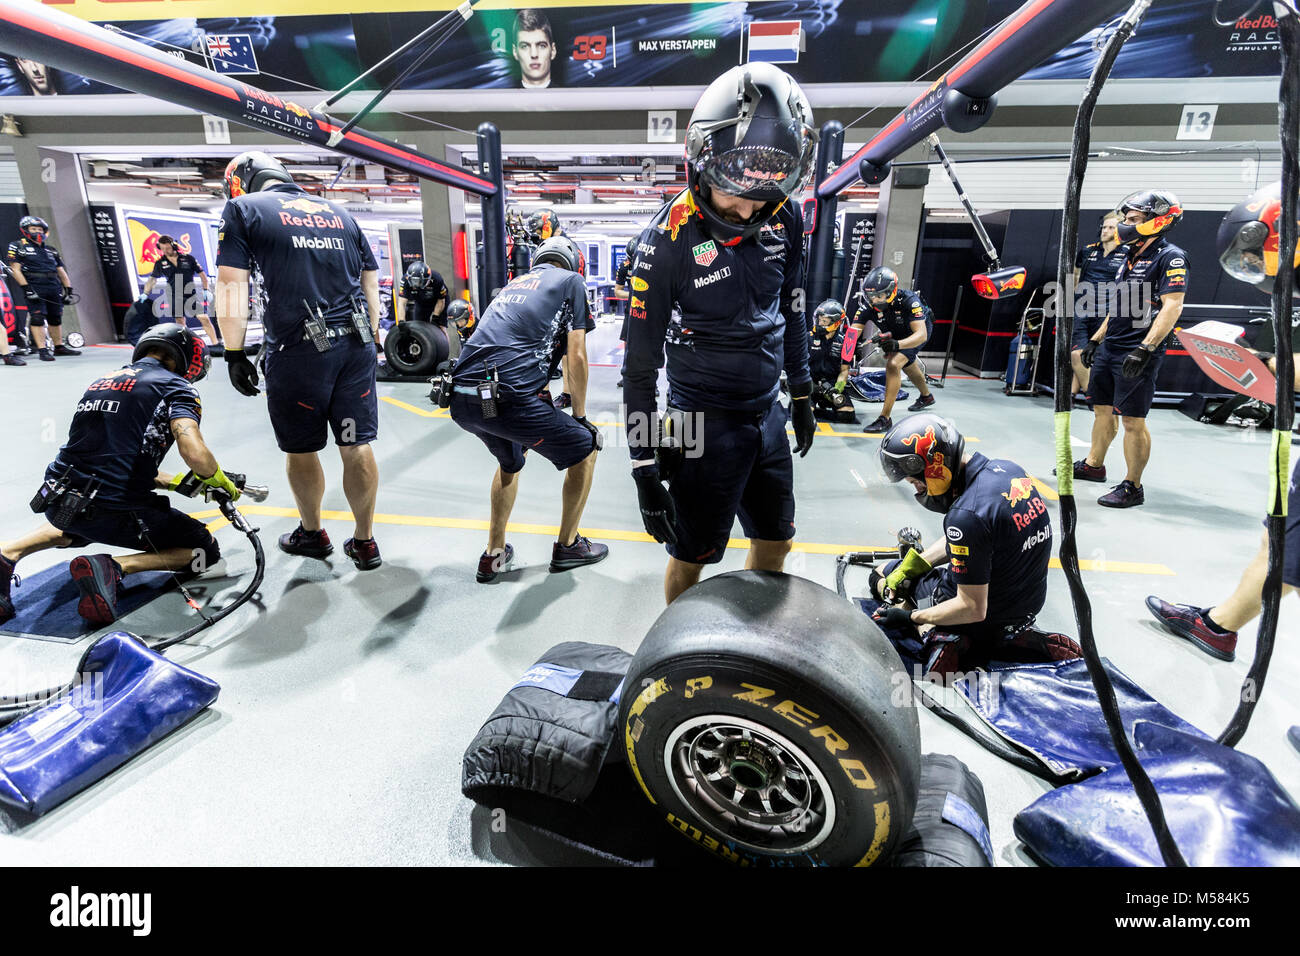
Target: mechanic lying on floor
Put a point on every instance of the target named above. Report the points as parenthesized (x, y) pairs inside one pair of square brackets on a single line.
[(982, 584), (99, 489)]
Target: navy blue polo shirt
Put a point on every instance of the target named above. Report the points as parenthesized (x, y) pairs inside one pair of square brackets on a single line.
[(999, 533), (122, 429), (897, 316), (1141, 283), (1097, 272), (306, 249), (40, 262)]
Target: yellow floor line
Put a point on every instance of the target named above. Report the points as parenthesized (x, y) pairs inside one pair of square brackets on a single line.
[(1044, 489), (616, 534)]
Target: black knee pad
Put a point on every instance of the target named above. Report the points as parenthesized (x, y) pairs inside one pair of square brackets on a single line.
[(54, 321), (35, 321)]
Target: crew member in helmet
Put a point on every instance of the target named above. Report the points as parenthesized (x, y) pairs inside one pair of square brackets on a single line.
[(427, 293), (1249, 250), (826, 342), (717, 288), (985, 579), (1126, 353), (905, 323), (536, 319), (37, 269), (461, 314), (542, 225), (125, 424), (321, 284)]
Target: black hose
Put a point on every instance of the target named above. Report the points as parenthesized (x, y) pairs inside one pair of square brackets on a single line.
[(1064, 399), (1289, 130)]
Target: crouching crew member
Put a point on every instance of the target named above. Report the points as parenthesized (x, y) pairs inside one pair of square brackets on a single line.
[(717, 284), (461, 314), (537, 319), (978, 588), (1125, 355), (426, 292), (905, 323), (99, 489), (37, 268), (825, 348), (319, 334)]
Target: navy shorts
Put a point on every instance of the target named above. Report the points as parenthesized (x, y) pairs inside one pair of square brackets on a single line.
[(310, 393), (164, 528), (1291, 565), (744, 470), (1131, 397), (48, 309), (1085, 327), (911, 355), (522, 425)]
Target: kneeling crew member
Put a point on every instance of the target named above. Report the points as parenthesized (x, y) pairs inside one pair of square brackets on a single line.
[(38, 270), (426, 292), (315, 265), (1125, 355), (986, 578), (461, 314), (535, 320), (99, 489), (717, 283), (905, 323)]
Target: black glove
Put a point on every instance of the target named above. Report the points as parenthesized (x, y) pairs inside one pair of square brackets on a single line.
[(32, 294), (888, 344), (67, 295), (1088, 353), (595, 432), (802, 417), (243, 374), (1135, 362), (658, 512), (893, 616)]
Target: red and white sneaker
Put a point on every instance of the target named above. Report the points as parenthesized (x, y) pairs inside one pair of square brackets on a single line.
[(1187, 621)]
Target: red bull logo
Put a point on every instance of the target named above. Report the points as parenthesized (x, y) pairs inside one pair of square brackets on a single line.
[(938, 477), (679, 214), (1021, 490), (1017, 281), (306, 206), (144, 240), (297, 110)]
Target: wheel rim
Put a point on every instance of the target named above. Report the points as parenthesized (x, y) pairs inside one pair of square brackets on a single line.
[(410, 350), (750, 784)]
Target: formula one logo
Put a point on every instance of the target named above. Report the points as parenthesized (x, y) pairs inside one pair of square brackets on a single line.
[(307, 206), (679, 214), (938, 477), (1021, 490), (705, 253)]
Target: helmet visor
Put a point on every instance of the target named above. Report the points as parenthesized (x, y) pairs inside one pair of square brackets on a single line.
[(757, 172), (1244, 258)]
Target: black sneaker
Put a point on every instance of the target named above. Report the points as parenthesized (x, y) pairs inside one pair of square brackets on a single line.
[(880, 425), (564, 401), (62, 349), (925, 401), (1086, 472), (307, 544), (490, 565), (582, 551), (1124, 495), (6, 576), (47, 355), (364, 553), (98, 578), (11, 358)]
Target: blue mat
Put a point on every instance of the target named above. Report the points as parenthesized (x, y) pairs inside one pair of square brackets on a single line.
[(46, 602)]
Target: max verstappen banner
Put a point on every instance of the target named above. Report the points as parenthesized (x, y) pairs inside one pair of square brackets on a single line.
[(596, 45)]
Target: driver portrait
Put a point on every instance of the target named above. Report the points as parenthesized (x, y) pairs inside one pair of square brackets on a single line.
[(37, 76), (533, 48)]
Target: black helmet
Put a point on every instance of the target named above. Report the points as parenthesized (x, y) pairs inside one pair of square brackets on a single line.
[(750, 135), (418, 276), (928, 447), (879, 288), (1249, 240), (460, 310), (251, 171), (189, 351), (28, 223), (1160, 206), (564, 252), (543, 224), (833, 309)]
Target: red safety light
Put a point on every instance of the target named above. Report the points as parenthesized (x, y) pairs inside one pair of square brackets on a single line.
[(1003, 283), (460, 255)]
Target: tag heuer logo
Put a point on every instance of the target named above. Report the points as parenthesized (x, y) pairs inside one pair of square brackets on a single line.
[(705, 253)]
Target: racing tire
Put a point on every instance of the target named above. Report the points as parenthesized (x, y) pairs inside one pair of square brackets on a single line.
[(771, 722), (415, 348)]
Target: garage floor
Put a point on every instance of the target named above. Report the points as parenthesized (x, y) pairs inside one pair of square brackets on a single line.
[(348, 698)]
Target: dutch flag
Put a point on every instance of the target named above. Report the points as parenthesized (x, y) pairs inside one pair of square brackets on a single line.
[(774, 41)]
